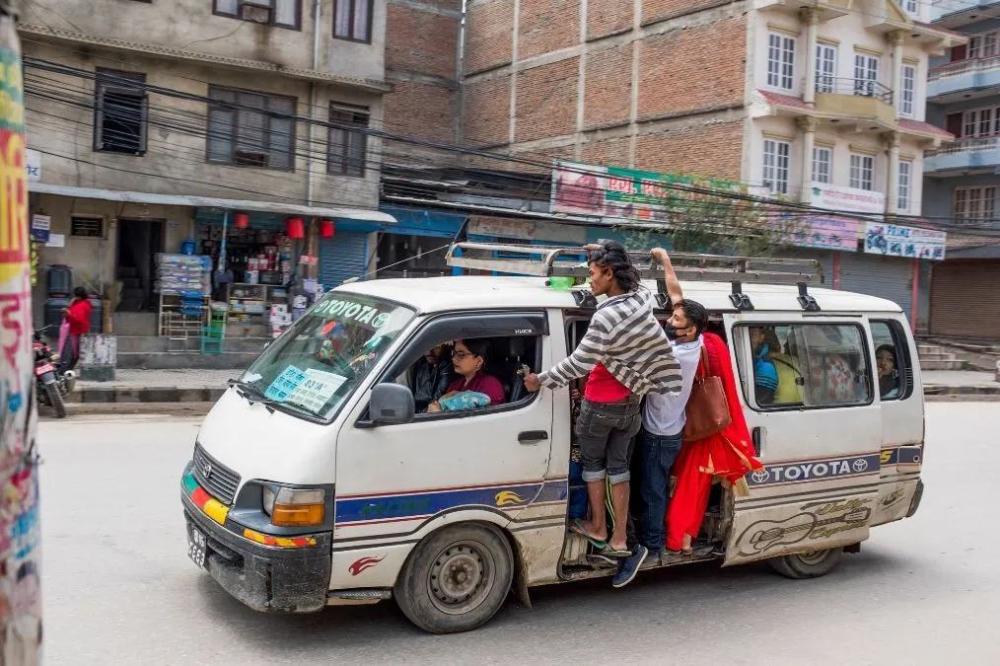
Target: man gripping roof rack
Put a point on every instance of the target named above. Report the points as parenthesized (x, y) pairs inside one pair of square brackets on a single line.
[(624, 355)]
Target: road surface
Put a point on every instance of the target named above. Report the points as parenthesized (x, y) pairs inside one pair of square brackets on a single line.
[(119, 589)]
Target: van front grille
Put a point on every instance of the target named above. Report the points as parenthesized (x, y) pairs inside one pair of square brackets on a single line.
[(220, 481)]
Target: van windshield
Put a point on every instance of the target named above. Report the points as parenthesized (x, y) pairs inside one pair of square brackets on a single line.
[(323, 357)]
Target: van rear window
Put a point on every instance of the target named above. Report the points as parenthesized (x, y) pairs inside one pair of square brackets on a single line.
[(809, 365)]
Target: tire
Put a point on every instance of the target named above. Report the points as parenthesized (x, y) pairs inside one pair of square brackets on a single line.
[(807, 565), (56, 399), (456, 579)]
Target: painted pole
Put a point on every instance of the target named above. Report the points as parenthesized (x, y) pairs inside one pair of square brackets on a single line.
[(20, 553)]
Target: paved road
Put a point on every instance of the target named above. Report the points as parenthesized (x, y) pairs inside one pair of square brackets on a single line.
[(118, 587)]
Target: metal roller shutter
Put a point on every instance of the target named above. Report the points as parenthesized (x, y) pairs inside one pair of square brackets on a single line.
[(965, 299), (341, 257), (885, 277)]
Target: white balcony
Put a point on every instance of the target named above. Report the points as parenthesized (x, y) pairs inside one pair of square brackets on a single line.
[(979, 155), (962, 76)]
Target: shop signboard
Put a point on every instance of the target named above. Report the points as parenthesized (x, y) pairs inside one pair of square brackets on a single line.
[(893, 240), (616, 192), (846, 199), (826, 232), (41, 227)]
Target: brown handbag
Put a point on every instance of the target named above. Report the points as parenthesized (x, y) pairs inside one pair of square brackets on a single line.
[(707, 409)]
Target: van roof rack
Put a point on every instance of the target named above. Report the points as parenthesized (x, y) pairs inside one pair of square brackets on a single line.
[(547, 261)]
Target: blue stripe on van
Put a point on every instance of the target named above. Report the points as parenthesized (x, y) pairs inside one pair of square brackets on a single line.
[(414, 505)]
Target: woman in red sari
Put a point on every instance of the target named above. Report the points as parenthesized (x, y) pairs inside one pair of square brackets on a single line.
[(727, 455)]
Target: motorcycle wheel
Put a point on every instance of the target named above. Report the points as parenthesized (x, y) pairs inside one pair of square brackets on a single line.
[(56, 399)]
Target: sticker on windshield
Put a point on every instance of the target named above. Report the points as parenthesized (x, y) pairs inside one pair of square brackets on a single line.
[(348, 310), (285, 384), (316, 389)]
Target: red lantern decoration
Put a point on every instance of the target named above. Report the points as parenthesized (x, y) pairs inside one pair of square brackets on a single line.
[(327, 229), (296, 228), (241, 220)]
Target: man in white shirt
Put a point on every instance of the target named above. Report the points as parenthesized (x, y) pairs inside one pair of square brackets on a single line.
[(663, 421)]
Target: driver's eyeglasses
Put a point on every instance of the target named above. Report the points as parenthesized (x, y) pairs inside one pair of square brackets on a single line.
[(462, 354)]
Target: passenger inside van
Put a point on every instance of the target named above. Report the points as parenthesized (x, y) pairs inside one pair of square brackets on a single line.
[(790, 382), (888, 374), (764, 341), (431, 376), (473, 387)]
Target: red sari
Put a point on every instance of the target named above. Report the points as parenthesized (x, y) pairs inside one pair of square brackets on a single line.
[(728, 455)]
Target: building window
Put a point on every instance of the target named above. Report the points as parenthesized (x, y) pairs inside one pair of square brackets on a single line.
[(348, 146), (905, 181), (975, 203), (822, 165), (826, 68), (780, 61), (909, 90), (352, 19), (282, 13), (911, 7), (863, 172), (865, 74), (121, 112), (985, 45), (776, 165), (981, 122), (251, 129)]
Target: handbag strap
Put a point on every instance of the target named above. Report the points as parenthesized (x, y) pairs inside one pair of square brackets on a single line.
[(702, 371)]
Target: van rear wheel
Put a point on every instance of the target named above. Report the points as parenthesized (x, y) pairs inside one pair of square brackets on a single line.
[(456, 579), (807, 565)]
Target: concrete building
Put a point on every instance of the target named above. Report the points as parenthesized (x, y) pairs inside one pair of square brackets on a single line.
[(149, 123), (962, 178), (821, 102)]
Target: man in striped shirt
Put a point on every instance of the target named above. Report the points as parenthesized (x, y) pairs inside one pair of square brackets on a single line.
[(624, 355)]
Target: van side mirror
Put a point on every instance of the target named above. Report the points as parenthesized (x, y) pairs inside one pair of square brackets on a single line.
[(391, 404)]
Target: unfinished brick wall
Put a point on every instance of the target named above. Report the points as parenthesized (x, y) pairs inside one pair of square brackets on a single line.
[(547, 25), (424, 110), (421, 41), (694, 68), (485, 111), (546, 100), (608, 17), (659, 10), (606, 152), (489, 35), (707, 149), (608, 87)]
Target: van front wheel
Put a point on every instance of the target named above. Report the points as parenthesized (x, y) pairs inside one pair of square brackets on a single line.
[(456, 579), (807, 565)]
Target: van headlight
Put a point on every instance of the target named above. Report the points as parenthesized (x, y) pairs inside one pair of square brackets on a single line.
[(294, 507)]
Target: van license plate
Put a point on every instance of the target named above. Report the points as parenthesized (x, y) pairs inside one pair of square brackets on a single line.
[(197, 546)]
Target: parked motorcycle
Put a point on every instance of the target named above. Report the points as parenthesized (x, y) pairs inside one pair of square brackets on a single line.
[(53, 385)]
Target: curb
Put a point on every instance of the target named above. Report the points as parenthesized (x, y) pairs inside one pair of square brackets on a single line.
[(166, 394), (132, 408)]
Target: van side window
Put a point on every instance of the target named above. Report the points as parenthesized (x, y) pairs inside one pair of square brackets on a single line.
[(441, 389), (811, 366), (893, 369)]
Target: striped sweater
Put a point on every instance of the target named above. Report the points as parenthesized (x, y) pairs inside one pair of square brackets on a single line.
[(625, 338)]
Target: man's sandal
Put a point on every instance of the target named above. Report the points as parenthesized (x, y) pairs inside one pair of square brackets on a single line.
[(576, 527)]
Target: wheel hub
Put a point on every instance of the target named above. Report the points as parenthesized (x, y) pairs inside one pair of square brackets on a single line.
[(460, 578)]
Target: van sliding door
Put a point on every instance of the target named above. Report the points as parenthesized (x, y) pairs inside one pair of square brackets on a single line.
[(808, 394)]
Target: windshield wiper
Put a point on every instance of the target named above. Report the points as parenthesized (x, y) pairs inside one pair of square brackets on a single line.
[(252, 394)]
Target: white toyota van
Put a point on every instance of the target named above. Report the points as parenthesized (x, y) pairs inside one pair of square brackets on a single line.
[(313, 482)]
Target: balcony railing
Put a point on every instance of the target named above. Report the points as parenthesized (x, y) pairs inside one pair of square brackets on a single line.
[(858, 87), (963, 67), (971, 144)]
